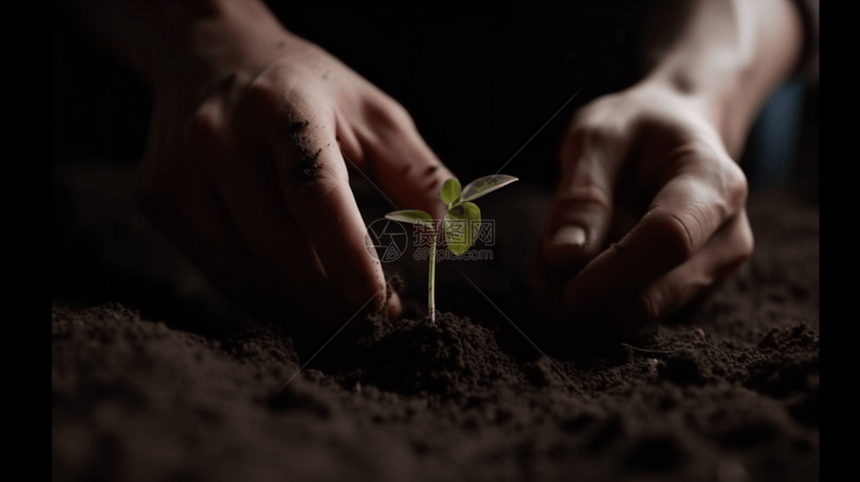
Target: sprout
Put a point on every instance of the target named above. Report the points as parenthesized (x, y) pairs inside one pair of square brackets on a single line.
[(462, 213)]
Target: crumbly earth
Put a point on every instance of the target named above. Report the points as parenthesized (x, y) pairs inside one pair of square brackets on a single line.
[(185, 387), (307, 166)]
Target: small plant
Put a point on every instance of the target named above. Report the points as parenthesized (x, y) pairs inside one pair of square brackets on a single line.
[(462, 213)]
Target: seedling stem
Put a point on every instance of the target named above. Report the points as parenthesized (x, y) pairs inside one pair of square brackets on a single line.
[(462, 214)]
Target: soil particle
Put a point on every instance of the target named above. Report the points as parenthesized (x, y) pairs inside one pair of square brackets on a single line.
[(578, 423), (805, 407), (447, 357), (466, 398), (787, 364), (799, 337), (686, 367), (655, 453), (748, 435), (541, 373), (608, 432), (393, 285), (307, 166), (299, 394)]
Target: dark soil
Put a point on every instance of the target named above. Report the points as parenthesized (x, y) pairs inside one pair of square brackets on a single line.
[(156, 378)]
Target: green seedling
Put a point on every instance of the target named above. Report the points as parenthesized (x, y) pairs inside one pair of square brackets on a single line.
[(461, 223)]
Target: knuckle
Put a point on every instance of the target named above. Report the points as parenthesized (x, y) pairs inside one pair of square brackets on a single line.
[(261, 93), (674, 233), (593, 109), (717, 173), (265, 102), (204, 126), (593, 140), (584, 192), (736, 186), (399, 116), (388, 114), (745, 244), (596, 135)]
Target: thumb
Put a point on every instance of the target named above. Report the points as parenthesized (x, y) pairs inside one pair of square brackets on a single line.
[(578, 224)]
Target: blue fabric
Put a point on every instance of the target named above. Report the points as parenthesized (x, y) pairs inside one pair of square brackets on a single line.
[(774, 138)]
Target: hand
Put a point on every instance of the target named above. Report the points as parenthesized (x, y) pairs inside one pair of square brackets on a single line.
[(649, 211), (246, 171)]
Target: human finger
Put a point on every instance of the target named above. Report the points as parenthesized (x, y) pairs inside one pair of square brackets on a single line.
[(579, 220), (698, 198), (724, 254), (315, 185), (395, 155)]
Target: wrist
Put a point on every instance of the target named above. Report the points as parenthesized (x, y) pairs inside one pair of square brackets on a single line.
[(715, 99), (200, 50), (733, 55)]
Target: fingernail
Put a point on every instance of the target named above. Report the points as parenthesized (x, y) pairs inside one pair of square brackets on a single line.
[(569, 236), (395, 307)]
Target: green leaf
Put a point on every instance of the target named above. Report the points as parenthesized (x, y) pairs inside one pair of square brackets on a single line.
[(462, 224), (414, 216), (485, 185), (450, 192)]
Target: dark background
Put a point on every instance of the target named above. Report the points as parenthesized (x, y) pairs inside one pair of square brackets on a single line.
[(479, 79)]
